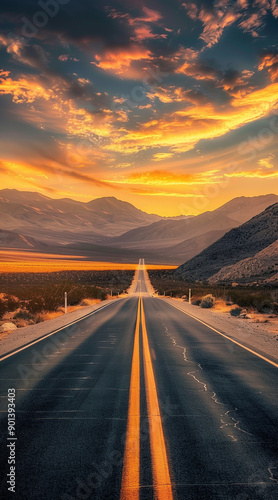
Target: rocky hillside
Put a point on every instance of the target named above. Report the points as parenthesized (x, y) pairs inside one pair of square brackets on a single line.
[(262, 268), (235, 246)]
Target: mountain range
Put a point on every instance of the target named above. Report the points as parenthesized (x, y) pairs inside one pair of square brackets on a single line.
[(65, 220), (247, 253), (111, 229)]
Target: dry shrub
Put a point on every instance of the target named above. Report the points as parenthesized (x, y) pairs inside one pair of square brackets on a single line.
[(207, 302)]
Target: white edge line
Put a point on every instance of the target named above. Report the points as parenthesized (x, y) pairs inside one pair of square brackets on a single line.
[(226, 336), (55, 331)]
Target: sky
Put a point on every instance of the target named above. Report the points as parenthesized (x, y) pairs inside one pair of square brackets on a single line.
[(169, 105)]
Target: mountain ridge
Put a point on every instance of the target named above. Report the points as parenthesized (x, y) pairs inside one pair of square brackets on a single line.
[(67, 226), (61, 220), (236, 245)]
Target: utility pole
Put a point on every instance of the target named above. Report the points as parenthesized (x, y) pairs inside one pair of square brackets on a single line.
[(189, 296), (111, 293), (164, 293), (66, 302)]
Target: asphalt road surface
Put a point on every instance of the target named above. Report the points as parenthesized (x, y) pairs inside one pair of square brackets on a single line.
[(139, 401)]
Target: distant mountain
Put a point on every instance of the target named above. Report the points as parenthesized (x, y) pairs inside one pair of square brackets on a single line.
[(116, 229), (65, 220), (261, 268), (12, 240), (188, 249), (169, 233), (240, 243)]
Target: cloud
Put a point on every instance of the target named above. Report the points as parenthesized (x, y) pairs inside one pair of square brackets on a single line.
[(75, 110), (63, 57), (199, 71), (162, 156), (252, 24), (119, 61), (192, 10), (164, 178), (150, 16), (183, 129), (274, 8), (23, 90), (144, 32), (145, 192), (93, 25), (33, 172), (234, 80), (266, 162), (249, 16), (31, 55), (214, 20), (192, 66), (255, 174), (269, 61)]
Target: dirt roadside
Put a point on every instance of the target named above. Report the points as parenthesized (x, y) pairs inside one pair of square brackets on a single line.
[(14, 340)]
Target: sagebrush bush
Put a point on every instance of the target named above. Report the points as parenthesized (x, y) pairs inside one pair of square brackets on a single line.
[(24, 314), (236, 311), (207, 302)]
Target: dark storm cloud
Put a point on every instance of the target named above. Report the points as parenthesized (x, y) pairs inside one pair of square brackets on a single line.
[(81, 23)]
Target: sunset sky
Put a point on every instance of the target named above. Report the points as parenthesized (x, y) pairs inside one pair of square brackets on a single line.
[(170, 105)]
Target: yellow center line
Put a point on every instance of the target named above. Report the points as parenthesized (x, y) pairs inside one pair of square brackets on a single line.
[(131, 466), (160, 468)]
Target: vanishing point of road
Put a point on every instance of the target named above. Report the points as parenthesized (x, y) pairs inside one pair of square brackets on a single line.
[(140, 401)]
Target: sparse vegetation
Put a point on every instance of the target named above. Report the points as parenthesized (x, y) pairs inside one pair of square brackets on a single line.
[(263, 299), (26, 298), (207, 302), (236, 311)]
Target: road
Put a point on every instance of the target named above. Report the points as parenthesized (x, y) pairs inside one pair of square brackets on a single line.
[(140, 401)]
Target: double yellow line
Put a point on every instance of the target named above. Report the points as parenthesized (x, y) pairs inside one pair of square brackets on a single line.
[(131, 466)]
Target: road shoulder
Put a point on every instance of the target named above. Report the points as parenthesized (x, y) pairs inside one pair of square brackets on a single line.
[(22, 336), (253, 335)]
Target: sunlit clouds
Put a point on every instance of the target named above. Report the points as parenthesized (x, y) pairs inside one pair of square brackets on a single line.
[(153, 100)]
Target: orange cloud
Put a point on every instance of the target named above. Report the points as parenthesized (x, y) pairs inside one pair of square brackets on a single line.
[(255, 174), (23, 89), (240, 81), (214, 21), (119, 60), (150, 16), (252, 23), (270, 61), (183, 129), (144, 32), (53, 111), (144, 192), (267, 162), (164, 178), (165, 95), (33, 172), (162, 156)]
